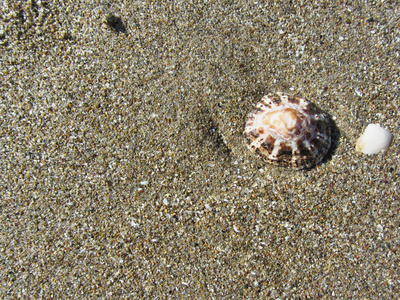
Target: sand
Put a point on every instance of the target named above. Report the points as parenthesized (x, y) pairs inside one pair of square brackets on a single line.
[(125, 173)]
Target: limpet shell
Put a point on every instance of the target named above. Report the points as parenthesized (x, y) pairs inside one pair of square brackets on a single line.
[(287, 130)]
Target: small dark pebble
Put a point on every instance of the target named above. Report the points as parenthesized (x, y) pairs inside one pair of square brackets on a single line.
[(115, 23)]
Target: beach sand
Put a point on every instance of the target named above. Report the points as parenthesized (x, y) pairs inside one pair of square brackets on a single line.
[(125, 172)]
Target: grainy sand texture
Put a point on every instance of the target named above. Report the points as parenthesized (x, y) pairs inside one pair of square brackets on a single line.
[(125, 173)]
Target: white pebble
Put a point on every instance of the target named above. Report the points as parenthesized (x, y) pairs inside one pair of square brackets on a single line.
[(374, 140)]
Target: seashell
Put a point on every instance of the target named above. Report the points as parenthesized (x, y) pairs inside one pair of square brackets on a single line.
[(374, 140), (287, 130)]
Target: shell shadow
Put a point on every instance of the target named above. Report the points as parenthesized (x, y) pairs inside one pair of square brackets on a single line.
[(335, 140)]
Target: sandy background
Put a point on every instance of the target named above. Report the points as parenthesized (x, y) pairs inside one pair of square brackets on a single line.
[(125, 174)]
